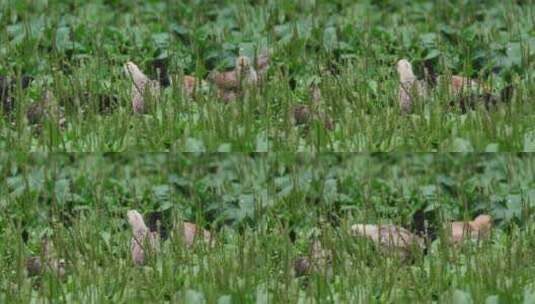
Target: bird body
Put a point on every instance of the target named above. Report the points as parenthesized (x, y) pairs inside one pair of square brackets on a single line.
[(47, 261), (262, 64), (390, 238), (142, 238), (409, 86), (388, 235), (304, 114), (460, 83), (301, 114), (142, 86), (47, 107), (477, 229), (244, 73), (465, 92), (318, 259), (230, 84), (190, 85), (457, 85), (192, 232)]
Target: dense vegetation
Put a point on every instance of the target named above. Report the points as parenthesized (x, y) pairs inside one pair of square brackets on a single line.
[(76, 50), (282, 222), (265, 210)]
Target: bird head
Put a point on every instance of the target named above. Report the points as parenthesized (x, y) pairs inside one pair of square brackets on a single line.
[(405, 72), (136, 221)]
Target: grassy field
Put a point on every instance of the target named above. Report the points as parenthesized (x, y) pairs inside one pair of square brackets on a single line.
[(76, 50), (281, 206), (264, 211)]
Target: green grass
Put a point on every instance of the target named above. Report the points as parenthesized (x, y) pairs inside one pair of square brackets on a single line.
[(78, 48), (265, 209), (251, 202)]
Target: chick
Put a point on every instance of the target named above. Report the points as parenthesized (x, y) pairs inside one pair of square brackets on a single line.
[(302, 266), (193, 232), (466, 97), (459, 84), (47, 261), (304, 114), (191, 85), (142, 87), (317, 260), (301, 114), (466, 93), (34, 266), (48, 107), (263, 61), (231, 84), (410, 88)]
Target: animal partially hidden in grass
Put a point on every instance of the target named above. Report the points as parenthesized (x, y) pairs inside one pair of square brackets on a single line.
[(263, 61), (456, 232), (465, 93), (390, 238), (304, 114), (47, 261), (190, 85), (231, 84), (318, 259), (410, 88), (142, 87), (145, 240), (477, 229), (47, 107), (470, 100)]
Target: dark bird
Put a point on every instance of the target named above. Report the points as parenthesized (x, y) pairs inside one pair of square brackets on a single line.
[(47, 261), (47, 107), (305, 114)]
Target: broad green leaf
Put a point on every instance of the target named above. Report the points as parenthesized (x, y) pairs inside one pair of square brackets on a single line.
[(194, 297), (63, 40), (194, 145), (461, 297), (461, 145)]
